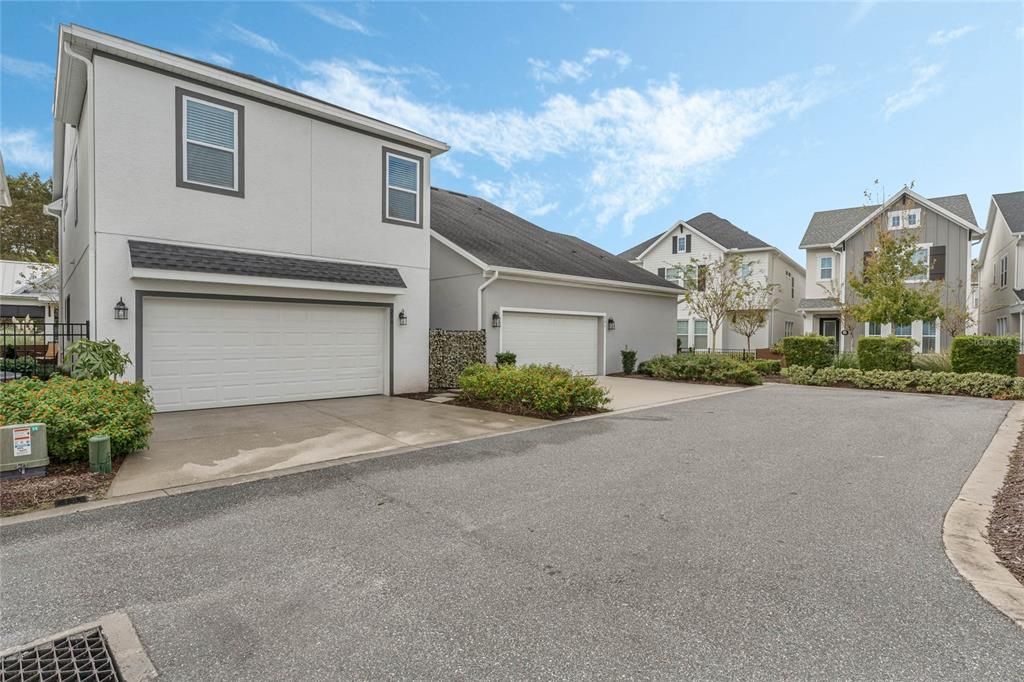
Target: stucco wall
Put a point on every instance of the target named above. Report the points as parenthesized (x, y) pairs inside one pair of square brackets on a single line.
[(453, 289), (994, 298)]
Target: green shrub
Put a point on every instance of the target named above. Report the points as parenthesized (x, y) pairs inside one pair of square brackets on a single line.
[(505, 358), (995, 354), (76, 409), (533, 389), (628, 360), (704, 367), (933, 362), (809, 351), (890, 353), (846, 361), (88, 359), (23, 365), (765, 367), (977, 384)]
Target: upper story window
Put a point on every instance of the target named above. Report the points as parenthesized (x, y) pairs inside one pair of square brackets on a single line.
[(1004, 267), (745, 270), (825, 267), (673, 274), (895, 220), (921, 259), (901, 219), (210, 144), (401, 189)]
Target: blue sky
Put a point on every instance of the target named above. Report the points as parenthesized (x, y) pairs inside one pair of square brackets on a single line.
[(611, 121)]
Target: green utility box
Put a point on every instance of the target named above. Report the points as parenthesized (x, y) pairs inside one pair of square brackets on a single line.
[(23, 450)]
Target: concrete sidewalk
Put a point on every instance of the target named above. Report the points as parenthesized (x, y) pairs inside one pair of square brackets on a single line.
[(629, 393), (199, 446)]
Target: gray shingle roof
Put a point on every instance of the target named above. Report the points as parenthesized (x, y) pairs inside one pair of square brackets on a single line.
[(502, 239), (1011, 205), (828, 226), (817, 303), (194, 259), (715, 228)]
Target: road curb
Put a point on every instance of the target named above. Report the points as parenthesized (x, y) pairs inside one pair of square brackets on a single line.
[(964, 529), (27, 517)]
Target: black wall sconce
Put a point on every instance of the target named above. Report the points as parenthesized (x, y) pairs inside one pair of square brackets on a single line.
[(495, 320), (402, 319), (120, 309), (611, 324)]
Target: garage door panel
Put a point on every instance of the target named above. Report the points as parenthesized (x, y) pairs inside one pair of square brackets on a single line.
[(201, 353), (570, 341)]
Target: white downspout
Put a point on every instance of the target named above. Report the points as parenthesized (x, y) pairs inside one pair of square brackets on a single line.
[(90, 93), (480, 300), (55, 209)]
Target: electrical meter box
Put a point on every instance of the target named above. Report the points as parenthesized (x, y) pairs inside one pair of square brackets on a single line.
[(23, 450)]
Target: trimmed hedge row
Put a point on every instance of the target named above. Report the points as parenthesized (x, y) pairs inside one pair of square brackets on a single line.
[(532, 389), (892, 353), (995, 354), (809, 351), (765, 367), (976, 384), (707, 368), (76, 409)]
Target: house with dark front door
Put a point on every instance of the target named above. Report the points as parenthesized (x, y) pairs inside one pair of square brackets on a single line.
[(837, 242)]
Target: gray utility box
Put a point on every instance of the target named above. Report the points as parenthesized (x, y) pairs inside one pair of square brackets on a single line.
[(23, 450)]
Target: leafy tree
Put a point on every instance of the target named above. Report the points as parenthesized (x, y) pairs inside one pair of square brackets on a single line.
[(754, 302), (883, 293), (26, 233), (716, 288)]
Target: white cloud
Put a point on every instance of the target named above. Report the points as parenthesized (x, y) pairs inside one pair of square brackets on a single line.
[(635, 146), (567, 7), (337, 19), (921, 88), (447, 164), (860, 11), (24, 148), (219, 59), (12, 66), (944, 36), (578, 71), (255, 41), (522, 195)]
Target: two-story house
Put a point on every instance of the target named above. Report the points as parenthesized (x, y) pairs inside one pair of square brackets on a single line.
[(242, 242), (1000, 276), (695, 242), (837, 241)]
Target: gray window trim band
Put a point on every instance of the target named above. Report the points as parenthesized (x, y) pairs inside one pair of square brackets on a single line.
[(384, 186), (140, 295), (179, 156)]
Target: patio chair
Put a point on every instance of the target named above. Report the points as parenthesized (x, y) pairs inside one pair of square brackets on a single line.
[(51, 353)]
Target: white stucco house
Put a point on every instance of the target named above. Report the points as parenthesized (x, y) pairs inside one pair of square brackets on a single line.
[(1000, 307), (548, 297), (706, 237), (242, 242)]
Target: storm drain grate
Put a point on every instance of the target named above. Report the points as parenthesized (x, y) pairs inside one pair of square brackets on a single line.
[(80, 657)]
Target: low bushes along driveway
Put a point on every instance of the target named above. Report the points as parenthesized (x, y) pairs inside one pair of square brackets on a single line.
[(534, 390)]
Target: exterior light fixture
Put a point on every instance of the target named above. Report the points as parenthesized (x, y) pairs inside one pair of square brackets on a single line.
[(402, 319), (495, 320), (611, 324), (120, 309)]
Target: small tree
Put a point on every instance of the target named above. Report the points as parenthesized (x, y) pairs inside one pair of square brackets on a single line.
[(886, 292), (712, 289), (956, 317), (755, 301)]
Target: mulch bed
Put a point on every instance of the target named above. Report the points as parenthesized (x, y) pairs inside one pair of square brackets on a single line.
[(63, 484), (1006, 524)]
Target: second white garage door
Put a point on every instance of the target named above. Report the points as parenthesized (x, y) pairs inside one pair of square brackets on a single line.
[(200, 353), (570, 341)]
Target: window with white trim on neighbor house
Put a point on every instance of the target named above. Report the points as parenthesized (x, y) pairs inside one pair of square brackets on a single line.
[(1002, 326), (401, 188), (825, 268), (920, 258), (928, 336), (1004, 268), (210, 144)]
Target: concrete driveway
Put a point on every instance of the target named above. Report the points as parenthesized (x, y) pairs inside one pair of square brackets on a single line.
[(778, 533), (201, 446)]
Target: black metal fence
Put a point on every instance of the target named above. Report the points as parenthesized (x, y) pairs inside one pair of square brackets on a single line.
[(738, 352), (36, 348)]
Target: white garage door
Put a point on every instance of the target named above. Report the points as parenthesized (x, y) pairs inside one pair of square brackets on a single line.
[(200, 353), (569, 341)]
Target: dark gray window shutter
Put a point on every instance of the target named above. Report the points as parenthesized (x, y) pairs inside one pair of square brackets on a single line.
[(675, 244), (938, 263), (689, 246), (661, 273)]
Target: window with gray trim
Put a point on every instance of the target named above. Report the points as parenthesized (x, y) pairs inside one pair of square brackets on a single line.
[(401, 188), (210, 141)]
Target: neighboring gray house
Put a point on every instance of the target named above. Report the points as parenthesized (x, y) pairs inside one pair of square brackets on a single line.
[(1000, 274), (837, 241), (547, 297), (242, 242), (28, 290), (693, 242)]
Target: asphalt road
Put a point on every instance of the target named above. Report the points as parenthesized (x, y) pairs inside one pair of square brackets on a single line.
[(782, 532)]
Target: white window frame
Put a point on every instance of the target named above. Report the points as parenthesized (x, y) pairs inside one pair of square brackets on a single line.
[(908, 335), (388, 154), (867, 329), (902, 218), (1004, 269), (926, 277), (694, 334), (821, 268), (1002, 326), (935, 335), (789, 328), (185, 142)]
